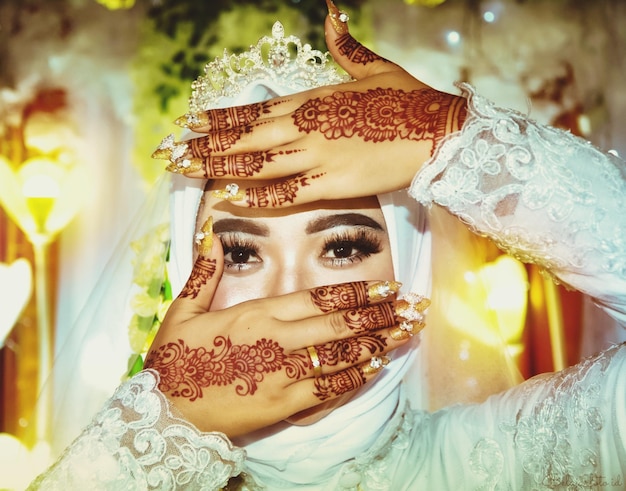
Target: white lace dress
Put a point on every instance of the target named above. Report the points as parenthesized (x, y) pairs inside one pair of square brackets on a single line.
[(542, 195)]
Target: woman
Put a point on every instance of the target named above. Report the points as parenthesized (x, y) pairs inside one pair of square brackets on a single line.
[(548, 433)]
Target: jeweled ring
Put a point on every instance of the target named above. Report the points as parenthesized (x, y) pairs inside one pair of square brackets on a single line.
[(315, 361)]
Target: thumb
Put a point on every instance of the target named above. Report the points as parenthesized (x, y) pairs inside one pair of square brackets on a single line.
[(198, 292), (352, 56)]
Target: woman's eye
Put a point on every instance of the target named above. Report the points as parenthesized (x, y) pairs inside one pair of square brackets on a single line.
[(240, 253), (342, 250), (350, 247), (240, 256)]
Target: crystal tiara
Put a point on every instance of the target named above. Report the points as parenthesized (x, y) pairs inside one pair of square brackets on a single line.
[(283, 60)]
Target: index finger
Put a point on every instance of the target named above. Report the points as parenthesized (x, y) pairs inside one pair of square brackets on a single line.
[(234, 116), (330, 298)]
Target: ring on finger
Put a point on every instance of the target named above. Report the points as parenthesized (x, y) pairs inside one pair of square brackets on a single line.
[(315, 361)]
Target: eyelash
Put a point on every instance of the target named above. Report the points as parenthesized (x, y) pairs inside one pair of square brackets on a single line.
[(363, 241)]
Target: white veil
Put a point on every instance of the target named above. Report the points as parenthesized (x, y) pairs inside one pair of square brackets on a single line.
[(450, 365)]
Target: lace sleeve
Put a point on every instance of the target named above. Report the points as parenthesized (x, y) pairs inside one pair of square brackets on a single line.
[(135, 442), (542, 194)]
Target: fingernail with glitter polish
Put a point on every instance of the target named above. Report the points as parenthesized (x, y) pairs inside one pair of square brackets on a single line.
[(338, 19), (204, 238), (229, 193)]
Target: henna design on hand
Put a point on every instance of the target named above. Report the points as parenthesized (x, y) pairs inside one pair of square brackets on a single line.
[(231, 117), (203, 271), (355, 51), (338, 383), (277, 194), (297, 366), (241, 165), (370, 318), (219, 141), (383, 115), (340, 297), (349, 350), (185, 371)]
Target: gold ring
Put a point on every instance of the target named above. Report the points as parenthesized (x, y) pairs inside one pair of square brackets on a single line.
[(315, 361)]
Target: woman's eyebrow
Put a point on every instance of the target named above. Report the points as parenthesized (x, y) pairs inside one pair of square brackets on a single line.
[(243, 225), (350, 219)]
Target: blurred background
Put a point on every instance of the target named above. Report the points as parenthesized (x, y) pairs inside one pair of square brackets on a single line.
[(88, 88)]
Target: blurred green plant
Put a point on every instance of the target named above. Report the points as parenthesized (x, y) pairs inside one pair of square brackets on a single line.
[(202, 25)]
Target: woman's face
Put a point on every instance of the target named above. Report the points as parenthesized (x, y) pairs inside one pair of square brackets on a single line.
[(269, 252)]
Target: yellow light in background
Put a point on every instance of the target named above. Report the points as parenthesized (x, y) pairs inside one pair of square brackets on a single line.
[(117, 4), (496, 293), (40, 188), (42, 196), (424, 3), (506, 283)]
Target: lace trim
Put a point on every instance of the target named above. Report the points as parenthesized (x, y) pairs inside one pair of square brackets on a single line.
[(503, 164), (135, 442), (557, 438)]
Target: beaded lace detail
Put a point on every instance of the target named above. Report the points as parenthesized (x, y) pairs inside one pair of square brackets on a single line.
[(502, 168), (135, 442)]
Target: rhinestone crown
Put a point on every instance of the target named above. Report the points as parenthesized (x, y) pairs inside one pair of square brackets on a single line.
[(279, 58)]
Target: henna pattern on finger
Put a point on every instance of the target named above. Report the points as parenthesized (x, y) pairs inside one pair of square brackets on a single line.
[(219, 141), (221, 118), (383, 115), (241, 165), (230, 117), (340, 297), (338, 383), (355, 51), (185, 371), (278, 194), (349, 350), (370, 318), (203, 271)]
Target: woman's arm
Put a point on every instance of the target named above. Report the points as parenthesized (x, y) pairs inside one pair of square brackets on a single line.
[(136, 442), (542, 194)]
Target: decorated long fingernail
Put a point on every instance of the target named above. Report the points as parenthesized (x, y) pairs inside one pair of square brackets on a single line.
[(230, 193), (185, 165), (338, 19), (406, 329), (204, 238), (375, 365), (192, 120), (411, 307), (383, 289), (165, 148)]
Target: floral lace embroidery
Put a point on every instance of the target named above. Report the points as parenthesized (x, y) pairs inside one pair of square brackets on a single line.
[(567, 408), (501, 164), (134, 442), (570, 408)]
